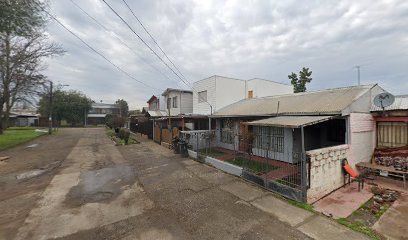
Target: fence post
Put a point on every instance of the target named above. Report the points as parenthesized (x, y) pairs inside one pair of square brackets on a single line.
[(303, 166)]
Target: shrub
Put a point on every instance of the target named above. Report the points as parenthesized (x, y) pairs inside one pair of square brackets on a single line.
[(121, 133), (126, 135)]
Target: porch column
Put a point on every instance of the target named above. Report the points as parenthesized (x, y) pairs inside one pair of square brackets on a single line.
[(303, 165)]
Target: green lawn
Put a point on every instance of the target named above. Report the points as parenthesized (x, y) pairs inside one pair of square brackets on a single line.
[(255, 166), (14, 136), (212, 152)]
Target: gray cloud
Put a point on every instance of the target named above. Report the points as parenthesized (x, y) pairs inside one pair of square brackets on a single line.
[(244, 39)]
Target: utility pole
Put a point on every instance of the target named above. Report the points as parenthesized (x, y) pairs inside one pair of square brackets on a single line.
[(358, 74), (50, 111)]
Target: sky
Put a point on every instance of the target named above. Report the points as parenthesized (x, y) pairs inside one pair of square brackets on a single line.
[(239, 39)]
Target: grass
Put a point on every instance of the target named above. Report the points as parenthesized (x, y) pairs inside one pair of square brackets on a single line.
[(252, 165), (305, 206), (359, 227), (111, 133), (14, 136), (212, 152)]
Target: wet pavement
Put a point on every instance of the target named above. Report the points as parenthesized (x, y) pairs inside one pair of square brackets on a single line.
[(144, 191)]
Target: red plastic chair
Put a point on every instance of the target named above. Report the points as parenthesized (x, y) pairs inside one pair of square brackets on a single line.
[(351, 174)]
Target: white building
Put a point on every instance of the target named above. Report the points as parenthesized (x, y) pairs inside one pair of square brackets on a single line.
[(222, 91), (177, 101)]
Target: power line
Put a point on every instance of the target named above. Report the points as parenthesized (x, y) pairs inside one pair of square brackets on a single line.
[(121, 41), (154, 40), (150, 48), (97, 52)]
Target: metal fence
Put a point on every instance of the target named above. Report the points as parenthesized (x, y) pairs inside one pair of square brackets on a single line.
[(264, 158)]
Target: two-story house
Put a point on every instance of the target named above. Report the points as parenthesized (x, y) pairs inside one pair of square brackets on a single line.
[(216, 92), (177, 101), (99, 111)]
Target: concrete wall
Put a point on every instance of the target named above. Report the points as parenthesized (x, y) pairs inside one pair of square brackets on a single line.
[(263, 88), (325, 171)]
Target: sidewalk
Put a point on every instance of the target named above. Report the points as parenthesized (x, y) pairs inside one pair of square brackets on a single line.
[(312, 224)]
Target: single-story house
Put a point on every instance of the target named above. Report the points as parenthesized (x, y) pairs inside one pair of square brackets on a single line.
[(316, 129)]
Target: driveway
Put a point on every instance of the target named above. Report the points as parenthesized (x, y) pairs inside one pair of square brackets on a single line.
[(141, 191)]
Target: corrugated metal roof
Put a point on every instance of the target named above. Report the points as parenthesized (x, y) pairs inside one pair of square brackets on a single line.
[(400, 103), (157, 113), (290, 121), (328, 102)]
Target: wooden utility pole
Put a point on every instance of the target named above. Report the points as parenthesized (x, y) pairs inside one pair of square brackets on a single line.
[(50, 111)]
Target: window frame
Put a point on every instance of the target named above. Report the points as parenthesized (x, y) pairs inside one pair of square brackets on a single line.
[(200, 98), (174, 102)]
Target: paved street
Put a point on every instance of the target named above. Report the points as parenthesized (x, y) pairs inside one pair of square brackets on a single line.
[(78, 185)]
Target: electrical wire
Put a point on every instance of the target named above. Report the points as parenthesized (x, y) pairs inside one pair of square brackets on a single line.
[(97, 52)]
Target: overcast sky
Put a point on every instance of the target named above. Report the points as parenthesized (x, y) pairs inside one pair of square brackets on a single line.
[(241, 39)]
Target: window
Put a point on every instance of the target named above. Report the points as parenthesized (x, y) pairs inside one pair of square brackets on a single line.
[(250, 94), (269, 138), (227, 131), (174, 102), (168, 103), (202, 96)]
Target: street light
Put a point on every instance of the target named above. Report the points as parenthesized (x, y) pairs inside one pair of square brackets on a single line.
[(50, 106)]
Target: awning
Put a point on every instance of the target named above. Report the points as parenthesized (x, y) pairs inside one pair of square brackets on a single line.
[(290, 121)]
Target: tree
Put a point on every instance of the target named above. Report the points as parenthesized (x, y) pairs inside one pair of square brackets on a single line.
[(23, 45), (299, 84), (67, 105), (123, 107)]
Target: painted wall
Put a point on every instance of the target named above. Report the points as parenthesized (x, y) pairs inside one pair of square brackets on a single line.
[(263, 88), (223, 91), (362, 135), (208, 85), (184, 103), (325, 171), (286, 155)]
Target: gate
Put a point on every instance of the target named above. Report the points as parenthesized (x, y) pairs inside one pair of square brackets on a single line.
[(286, 177)]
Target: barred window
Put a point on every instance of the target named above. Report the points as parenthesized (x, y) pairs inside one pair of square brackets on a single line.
[(227, 131), (269, 138)]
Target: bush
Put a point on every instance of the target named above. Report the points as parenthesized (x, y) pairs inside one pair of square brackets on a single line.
[(120, 133), (126, 136)]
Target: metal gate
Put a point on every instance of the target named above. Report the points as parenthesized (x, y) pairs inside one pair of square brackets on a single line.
[(286, 177)]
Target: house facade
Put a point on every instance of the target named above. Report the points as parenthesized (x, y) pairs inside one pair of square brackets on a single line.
[(314, 129), (99, 111), (177, 101), (216, 92)]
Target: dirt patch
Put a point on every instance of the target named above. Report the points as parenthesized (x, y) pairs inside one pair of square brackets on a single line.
[(102, 185)]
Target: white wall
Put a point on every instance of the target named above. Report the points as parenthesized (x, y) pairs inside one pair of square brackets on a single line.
[(362, 132), (228, 91), (263, 88), (325, 171), (184, 102), (207, 84), (223, 91)]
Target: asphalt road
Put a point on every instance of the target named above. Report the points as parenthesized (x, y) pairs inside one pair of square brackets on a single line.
[(88, 188)]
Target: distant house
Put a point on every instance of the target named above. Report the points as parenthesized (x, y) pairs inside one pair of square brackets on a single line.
[(315, 129), (215, 92), (23, 116), (99, 111)]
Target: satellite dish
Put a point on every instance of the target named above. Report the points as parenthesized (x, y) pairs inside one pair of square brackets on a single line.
[(383, 100)]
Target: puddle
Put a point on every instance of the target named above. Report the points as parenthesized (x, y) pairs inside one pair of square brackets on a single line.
[(33, 145), (100, 185), (30, 174)]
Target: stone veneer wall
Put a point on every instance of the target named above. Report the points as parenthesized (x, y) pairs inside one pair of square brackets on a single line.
[(325, 171)]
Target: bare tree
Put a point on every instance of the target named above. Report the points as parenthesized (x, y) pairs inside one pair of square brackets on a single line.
[(23, 46)]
